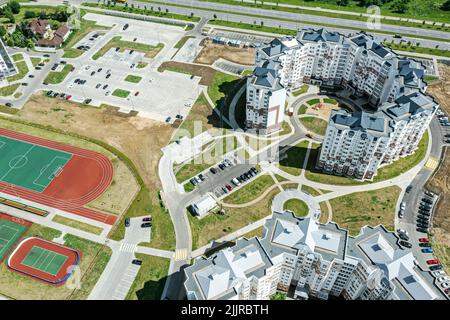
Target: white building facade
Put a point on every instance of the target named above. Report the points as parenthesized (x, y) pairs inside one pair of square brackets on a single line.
[(316, 260)]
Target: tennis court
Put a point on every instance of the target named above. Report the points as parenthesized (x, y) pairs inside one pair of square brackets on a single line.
[(44, 260), (10, 232), (28, 165)]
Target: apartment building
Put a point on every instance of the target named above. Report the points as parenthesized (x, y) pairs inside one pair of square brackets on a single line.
[(357, 144), (7, 67), (357, 63), (315, 261)]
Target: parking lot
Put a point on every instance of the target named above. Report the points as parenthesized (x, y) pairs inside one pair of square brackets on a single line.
[(152, 92), (243, 37)]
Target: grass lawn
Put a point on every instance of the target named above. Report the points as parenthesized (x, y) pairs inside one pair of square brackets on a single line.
[(314, 124), (133, 78), (285, 128), (303, 89), (295, 156), (302, 109), (17, 57), (22, 70), (312, 191), (121, 93), (299, 207), (141, 65), (188, 187), (215, 226), (387, 172), (182, 41), (323, 212), (312, 102), (418, 49), (72, 53), (221, 85), (150, 280), (442, 252), (374, 207), (77, 224), (8, 110), (55, 77), (9, 90), (254, 233), (35, 61), (330, 100), (250, 191), (94, 258), (150, 51), (200, 118)]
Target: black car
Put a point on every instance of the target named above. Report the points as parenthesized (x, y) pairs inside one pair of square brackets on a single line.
[(63, 62), (98, 85), (201, 177), (117, 49), (24, 84), (423, 230), (146, 225), (247, 175), (425, 244), (131, 51), (213, 170), (422, 216), (221, 166), (49, 93), (125, 27), (105, 86), (147, 219), (427, 200), (127, 222), (137, 262), (108, 75), (87, 101), (424, 212), (254, 170), (46, 55), (436, 267), (38, 68), (8, 104), (92, 73), (30, 76), (405, 244), (408, 189), (403, 236), (422, 225), (99, 69)]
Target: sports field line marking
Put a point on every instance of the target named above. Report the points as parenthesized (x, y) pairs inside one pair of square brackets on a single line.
[(44, 168), (2, 143), (10, 239), (23, 155)]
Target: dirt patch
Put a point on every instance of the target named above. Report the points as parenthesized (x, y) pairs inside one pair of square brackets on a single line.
[(211, 52), (205, 72)]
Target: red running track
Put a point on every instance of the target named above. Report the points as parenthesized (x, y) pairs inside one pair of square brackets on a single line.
[(84, 178), (24, 248)]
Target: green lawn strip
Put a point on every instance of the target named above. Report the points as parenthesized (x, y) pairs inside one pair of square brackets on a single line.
[(121, 93), (56, 77), (353, 6), (221, 85), (35, 61), (145, 12), (182, 42), (9, 90), (254, 233), (149, 50), (151, 278), (314, 124), (250, 191), (8, 110), (22, 70), (312, 191), (292, 163), (285, 128), (17, 57), (72, 53), (387, 172), (215, 226), (303, 89), (442, 252), (323, 212), (299, 207), (372, 208), (418, 49), (77, 224), (302, 109), (330, 100), (428, 78), (191, 169), (141, 65), (279, 178), (188, 187), (133, 78), (312, 102)]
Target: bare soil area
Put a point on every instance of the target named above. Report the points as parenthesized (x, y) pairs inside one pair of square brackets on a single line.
[(205, 72), (211, 52)]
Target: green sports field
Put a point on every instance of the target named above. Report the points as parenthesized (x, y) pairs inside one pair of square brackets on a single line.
[(28, 165), (10, 232), (44, 260)]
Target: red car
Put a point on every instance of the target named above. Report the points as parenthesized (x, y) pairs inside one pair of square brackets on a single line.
[(137, 92), (228, 187), (433, 261), (424, 240), (68, 97)]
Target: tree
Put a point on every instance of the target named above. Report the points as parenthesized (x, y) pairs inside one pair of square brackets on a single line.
[(262, 23), (159, 9), (215, 16), (446, 6), (400, 6), (192, 14), (2, 31), (14, 6), (279, 296), (343, 3), (30, 14), (167, 10)]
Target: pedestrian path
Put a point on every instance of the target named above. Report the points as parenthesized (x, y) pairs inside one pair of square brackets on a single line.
[(181, 254), (128, 247)]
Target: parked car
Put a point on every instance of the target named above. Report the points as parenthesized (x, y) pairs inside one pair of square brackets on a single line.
[(87, 101), (422, 225), (228, 187), (117, 49), (213, 170), (127, 222), (147, 219), (425, 244), (30, 76), (8, 104), (427, 250), (99, 69), (402, 231), (423, 230), (125, 27), (131, 51), (193, 181), (136, 93), (98, 85), (405, 244), (422, 216), (427, 200), (146, 225), (108, 75), (403, 236), (224, 189), (408, 189), (436, 267), (105, 86), (168, 119), (424, 240), (136, 262), (201, 177)]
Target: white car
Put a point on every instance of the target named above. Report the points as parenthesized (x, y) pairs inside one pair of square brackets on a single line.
[(438, 273), (445, 285), (402, 231), (403, 205), (442, 279)]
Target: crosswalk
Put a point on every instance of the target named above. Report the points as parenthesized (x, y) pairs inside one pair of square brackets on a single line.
[(128, 247), (432, 163), (181, 254)]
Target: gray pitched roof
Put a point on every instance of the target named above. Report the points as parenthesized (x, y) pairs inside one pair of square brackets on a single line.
[(360, 120), (410, 104), (320, 35)]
